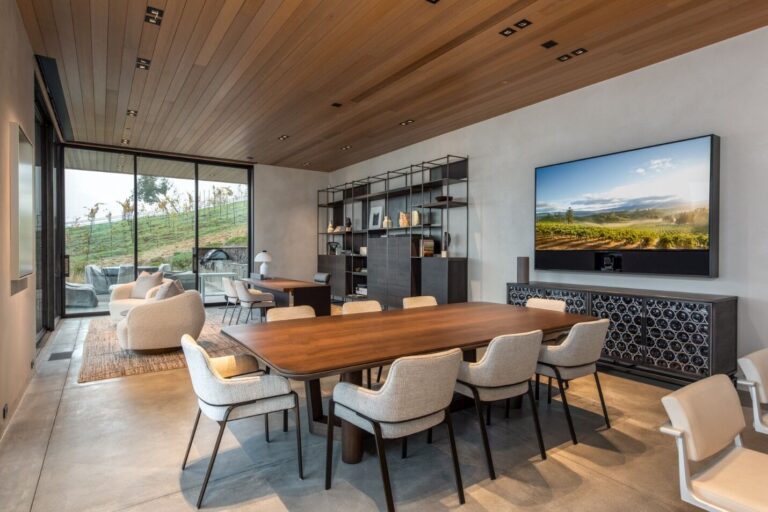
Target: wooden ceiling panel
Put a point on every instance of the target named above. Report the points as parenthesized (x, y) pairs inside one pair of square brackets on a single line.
[(228, 77)]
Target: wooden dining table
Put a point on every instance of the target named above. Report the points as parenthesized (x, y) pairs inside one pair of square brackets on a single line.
[(312, 348)]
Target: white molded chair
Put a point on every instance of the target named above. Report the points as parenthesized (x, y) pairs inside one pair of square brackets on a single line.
[(290, 313), (422, 301), (252, 299), (415, 397), (755, 370), (230, 295), (504, 372), (575, 357), (232, 388), (360, 306), (736, 479), (551, 304)]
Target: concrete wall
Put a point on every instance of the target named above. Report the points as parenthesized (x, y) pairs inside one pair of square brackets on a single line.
[(285, 216), (17, 310), (721, 89)]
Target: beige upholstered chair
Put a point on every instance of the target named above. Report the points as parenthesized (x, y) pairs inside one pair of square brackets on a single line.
[(415, 397), (230, 296), (360, 306), (504, 372), (733, 481), (252, 299), (290, 313), (551, 304), (575, 357), (159, 324), (121, 299), (419, 302), (755, 370), (246, 393)]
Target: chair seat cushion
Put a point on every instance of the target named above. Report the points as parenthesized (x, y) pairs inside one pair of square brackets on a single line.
[(278, 403), (116, 307), (567, 373), (390, 430), (235, 365), (736, 483), (493, 394)]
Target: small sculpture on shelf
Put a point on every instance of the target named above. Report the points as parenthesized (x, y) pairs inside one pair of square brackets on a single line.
[(333, 247), (446, 244), (402, 220), (348, 224), (330, 227), (415, 218), (386, 223), (338, 229)]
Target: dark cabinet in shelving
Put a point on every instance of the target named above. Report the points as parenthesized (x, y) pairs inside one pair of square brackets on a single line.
[(393, 273), (336, 266), (445, 279)]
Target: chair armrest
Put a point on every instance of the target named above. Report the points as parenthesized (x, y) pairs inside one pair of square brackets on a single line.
[(222, 392), (235, 365), (121, 291), (262, 296), (746, 383), (359, 399), (669, 430)]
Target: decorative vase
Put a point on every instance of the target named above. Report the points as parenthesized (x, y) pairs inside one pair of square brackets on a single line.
[(415, 218), (386, 223), (402, 220), (330, 227), (348, 224)]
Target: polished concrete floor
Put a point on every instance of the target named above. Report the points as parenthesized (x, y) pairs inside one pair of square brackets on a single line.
[(118, 445)]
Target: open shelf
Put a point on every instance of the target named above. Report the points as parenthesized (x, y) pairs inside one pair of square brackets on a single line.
[(443, 204)]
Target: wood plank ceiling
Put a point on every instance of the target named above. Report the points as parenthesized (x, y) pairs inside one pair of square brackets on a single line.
[(228, 78)]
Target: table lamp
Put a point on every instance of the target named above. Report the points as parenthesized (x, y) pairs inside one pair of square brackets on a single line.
[(264, 258)]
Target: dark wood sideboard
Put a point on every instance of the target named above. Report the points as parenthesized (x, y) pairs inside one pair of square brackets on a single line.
[(669, 336)]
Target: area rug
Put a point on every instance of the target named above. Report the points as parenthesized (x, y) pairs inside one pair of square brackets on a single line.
[(103, 358)]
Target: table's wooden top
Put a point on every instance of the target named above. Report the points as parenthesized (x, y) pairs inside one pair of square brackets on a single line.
[(280, 284), (316, 347)]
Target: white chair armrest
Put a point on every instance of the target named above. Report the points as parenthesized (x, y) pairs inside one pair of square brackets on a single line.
[(551, 354), (261, 296), (121, 291), (669, 430), (746, 383), (246, 389), (359, 399)]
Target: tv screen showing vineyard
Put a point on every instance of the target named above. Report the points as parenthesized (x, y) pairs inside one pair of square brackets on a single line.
[(652, 199)]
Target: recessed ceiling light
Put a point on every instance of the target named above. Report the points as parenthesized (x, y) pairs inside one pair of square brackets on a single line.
[(433, 1), (564, 57), (143, 63), (154, 16), (579, 51), (406, 122), (283, 137), (125, 141), (336, 104), (306, 164), (549, 44), (507, 31), (523, 23), (249, 158), (344, 148), (132, 113)]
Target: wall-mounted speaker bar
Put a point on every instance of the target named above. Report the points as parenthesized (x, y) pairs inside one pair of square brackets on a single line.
[(55, 91)]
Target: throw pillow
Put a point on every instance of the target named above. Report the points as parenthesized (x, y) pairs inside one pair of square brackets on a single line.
[(144, 283), (169, 289)]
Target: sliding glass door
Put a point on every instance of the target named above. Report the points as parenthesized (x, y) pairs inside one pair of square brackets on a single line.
[(128, 213)]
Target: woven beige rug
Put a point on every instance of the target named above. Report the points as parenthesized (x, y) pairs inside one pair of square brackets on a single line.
[(103, 358)]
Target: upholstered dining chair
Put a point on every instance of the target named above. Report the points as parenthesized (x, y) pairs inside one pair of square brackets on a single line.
[(504, 372), (232, 388), (419, 302), (290, 313), (231, 298), (252, 299), (551, 304), (729, 477), (415, 397), (575, 357), (755, 369), (363, 306)]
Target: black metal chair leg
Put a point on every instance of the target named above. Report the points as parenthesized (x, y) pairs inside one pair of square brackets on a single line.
[(565, 406), (484, 434), (266, 427), (285, 420), (239, 312), (222, 425), (455, 456), (405, 448), (506, 407), (383, 465), (378, 375), (602, 401), (536, 422), (368, 374), (488, 414), (191, 438), (549, 390), (537, 386), (429, 436), (298, 436), (329, 447)]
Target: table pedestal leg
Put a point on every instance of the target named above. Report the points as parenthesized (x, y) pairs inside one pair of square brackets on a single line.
[(351, 436)]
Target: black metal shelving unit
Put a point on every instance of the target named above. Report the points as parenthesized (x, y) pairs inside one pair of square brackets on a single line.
[(410, 189)]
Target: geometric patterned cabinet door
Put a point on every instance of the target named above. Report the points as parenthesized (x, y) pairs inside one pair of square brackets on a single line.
[(624, 341), (675, 337), (678, 335)]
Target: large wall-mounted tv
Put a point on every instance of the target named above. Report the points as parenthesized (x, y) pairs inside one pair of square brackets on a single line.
[(651, 210)]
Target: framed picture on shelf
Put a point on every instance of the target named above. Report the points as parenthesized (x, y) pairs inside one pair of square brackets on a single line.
[(374, 220)]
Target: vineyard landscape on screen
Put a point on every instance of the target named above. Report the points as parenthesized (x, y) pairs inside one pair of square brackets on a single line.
[(653, 198)]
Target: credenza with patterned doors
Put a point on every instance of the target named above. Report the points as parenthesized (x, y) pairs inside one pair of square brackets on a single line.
[(669, 336)]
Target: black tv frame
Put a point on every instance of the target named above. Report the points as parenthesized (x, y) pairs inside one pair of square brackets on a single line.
[(679, 262)]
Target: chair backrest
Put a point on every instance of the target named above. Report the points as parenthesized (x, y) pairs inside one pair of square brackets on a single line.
[(290, 313), (551, 304), (419, 302), (755, 369), (201, 370), (125, 274), (583, 344), (509, 359), (322, 277), (419, 385), (229, 287), (242, 292), (709, 414), (360, 306)]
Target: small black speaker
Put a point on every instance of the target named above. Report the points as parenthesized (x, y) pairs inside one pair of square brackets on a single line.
[(522, 269)]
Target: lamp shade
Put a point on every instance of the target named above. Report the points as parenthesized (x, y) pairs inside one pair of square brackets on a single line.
[(263, 257)]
